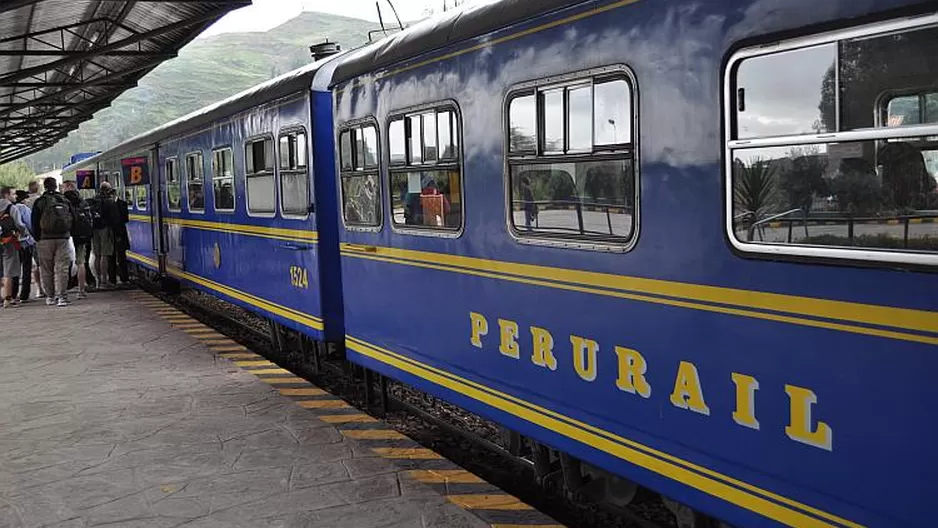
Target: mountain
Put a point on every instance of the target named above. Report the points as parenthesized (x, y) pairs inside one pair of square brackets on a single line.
[(207, 70)]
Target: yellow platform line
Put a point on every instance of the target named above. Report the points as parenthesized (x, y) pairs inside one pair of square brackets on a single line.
[(257, 363), (443, 476), (503, 525), (303, 392), (201, 331), (230, 348), (265, 372), (323, 404), (282, 381), (239, 355), (373, 434), (409, 453), (487, 501), (346, 418), (191, 325), (209, 340)]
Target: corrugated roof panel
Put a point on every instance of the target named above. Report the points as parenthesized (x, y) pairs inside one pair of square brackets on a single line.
[(62, 60)]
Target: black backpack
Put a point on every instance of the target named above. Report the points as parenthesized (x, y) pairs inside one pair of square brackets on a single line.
[(97, 219), (7, 226), (83, 226), (56, 220)]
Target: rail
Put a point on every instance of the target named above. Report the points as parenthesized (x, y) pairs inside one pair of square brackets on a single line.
[(576, 205), (850, 222)]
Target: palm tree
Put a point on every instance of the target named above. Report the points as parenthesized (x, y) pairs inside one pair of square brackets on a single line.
[(753, 189)]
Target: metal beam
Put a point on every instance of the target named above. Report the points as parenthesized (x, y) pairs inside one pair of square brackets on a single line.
[(73, 54), (176, 26)]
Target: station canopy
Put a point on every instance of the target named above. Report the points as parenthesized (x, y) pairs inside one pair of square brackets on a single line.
[(63, 60)]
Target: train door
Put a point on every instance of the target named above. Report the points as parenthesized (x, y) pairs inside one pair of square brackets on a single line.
[(157, 240)]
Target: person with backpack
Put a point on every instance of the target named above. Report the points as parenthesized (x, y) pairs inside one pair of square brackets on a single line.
[(27, 250), (82, 233), (11, 227), (105, 216), (52, 228)]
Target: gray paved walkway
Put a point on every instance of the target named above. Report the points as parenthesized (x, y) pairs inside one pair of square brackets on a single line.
[(111, 417)]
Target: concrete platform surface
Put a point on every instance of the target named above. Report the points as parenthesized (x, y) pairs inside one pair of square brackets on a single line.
[(111, 416)]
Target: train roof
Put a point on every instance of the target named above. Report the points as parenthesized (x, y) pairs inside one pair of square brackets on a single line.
[(438, 32), (289, 83)]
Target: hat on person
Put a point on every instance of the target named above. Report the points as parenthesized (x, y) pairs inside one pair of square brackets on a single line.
[(21, 195)]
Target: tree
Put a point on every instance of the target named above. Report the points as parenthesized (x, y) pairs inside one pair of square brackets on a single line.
[(17, 175), (754, 187), (804, 179), (857, 189)]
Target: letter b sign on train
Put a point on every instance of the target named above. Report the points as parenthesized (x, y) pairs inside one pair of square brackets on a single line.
[(136, 171)]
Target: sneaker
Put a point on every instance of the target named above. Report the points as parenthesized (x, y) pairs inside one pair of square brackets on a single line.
[(82, 295), (16, 302), (63, 302), (40, 294), (7, 303), (50, 301)]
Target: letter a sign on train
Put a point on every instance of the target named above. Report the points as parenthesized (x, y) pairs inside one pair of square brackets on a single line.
[(136, 171)]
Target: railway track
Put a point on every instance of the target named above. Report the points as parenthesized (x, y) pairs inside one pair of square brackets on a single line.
[(462, 437)]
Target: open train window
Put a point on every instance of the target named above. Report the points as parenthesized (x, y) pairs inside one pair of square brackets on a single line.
[(173, 186), (572, 159), (195, 195), (223, 182), (259, 174), (294, 174), (832, 147), (358, 162), (425, 169)]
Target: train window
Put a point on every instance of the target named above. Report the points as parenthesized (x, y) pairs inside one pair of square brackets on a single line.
[(522, 127), (361, 200), (397, 150), (426, 191), (261, 190), (141, 197), (173, 186), (223, 185), (573, 175), (195, 196), (294, 179), (832, 148)]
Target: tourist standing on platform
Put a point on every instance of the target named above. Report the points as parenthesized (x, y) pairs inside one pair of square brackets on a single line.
[(82, 233), (27, 249), (33, 194), (52, 227), (118, 263), (102, 242), (11, 227)]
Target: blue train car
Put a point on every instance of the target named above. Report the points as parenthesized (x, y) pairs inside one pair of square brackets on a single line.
[(232, 207), (691, 244)]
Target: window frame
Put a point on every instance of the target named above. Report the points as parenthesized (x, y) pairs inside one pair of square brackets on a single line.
[(596, 153), (201, 157), (830, 254), (284, 132), (175, 161), (234, 181), (377, 170), (276, 163), (446, 105)]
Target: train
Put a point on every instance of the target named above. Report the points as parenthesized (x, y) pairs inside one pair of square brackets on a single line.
[(683, 246)]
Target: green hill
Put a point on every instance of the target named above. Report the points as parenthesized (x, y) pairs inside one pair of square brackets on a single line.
[(207, 70)]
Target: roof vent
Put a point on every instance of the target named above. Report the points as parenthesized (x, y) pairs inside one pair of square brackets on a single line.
[(326, 49)]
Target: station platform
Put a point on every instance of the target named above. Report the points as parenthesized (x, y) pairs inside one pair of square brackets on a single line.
[(119, 410)]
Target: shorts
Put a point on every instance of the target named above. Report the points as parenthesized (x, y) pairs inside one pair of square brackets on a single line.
[(102, 244), (81, 252), (11, 261)]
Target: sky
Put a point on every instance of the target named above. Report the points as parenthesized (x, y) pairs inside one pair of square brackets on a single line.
[(267, 14)]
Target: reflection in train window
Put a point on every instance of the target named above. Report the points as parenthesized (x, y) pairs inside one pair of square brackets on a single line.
[(195, 198), (223, 180), (426, 191), (259, 176), (866, 184), (294, 179), (573, 177), (358, 159), (173, 186), (140, 193)]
